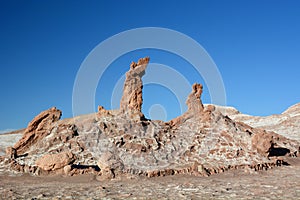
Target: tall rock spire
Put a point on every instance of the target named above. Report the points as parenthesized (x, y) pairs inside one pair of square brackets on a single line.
[(193, 101), (132, 99)]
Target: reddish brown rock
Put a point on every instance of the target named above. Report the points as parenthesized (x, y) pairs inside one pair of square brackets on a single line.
[(193, 101), (67, 169), (262, 142), (44, 120), (37, 129), (51, 162), (102, 111), (109, 162), (132, 99), (11, 152), (195, 106)]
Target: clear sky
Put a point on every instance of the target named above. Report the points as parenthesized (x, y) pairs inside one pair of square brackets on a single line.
[(255, 44)]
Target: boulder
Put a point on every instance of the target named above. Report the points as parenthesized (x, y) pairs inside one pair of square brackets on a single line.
[(110, 164), (51, 162)]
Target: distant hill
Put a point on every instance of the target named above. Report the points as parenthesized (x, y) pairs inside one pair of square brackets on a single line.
[(20, 131), (286, 124)]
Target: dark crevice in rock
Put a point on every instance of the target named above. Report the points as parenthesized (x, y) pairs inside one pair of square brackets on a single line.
[(278, 151), (94, 167)]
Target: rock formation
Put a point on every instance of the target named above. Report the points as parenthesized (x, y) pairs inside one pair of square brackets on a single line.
[(201, 142), (55, 161), (193, 101), (132, 99), (37, 129), (286, 124), (194, 104)]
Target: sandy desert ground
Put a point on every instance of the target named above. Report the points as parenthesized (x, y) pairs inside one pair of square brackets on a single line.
[(278, 183)]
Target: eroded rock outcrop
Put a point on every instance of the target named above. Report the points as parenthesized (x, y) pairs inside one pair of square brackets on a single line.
[(194, 103), (201, 142), (263, 142), (110, 164), (286, 124), (51, 162), (102, 111), (37, 129), (132, 99)]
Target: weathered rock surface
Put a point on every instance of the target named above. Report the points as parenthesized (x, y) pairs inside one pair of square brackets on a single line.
[(44, 120), (202, 141), (193, 101), (55, 161), (194, 104), (286, 124), (132, 99), (108, 161), (11, 152), (37, 129)]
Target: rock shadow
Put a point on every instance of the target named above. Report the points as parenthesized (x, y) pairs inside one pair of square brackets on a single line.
[(95, 167), (278, 151)]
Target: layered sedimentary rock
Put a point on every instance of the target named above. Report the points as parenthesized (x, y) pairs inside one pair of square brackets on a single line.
[(37, 129), (202, 141)]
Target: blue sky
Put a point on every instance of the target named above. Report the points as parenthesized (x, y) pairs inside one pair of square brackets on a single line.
[(255, 45)]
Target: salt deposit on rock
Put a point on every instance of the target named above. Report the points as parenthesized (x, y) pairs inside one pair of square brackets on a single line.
[(286, 124)]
